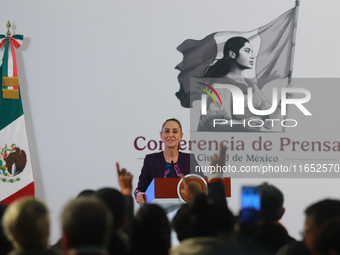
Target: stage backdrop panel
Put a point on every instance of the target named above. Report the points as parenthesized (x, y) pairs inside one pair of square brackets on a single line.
[(97, 75)]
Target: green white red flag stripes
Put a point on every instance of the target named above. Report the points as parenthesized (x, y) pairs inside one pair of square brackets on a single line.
[(16, 178), (7, 52), (10, 81)]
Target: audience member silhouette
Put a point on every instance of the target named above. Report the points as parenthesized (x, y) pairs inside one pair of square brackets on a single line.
[(115, 201), (210, 227), (86, 224), (86, 192), (121, 207), (150, 231), (27, 225), (102, 222), (270, 235), (5, 245), (317, 214), (328, 242), (181, 224)]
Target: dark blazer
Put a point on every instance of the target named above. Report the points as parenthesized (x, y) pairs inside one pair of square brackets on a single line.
[(155, 166), (271, 237)]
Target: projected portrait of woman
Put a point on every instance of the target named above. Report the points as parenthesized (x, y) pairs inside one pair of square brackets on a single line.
[(237, 57)]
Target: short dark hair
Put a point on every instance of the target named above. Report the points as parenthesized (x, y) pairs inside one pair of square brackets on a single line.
[(180, 223), (329, 238), (209, 219), (115, 201), (86, 192), (271, 202), (86, 222), (150, 231), (323, 211)]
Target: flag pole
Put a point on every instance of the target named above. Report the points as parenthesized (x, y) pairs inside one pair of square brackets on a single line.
[(297, 5)]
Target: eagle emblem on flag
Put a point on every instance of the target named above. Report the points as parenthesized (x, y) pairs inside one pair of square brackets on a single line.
[(12, 162)]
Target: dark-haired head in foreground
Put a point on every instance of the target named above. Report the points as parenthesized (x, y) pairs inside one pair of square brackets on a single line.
[(210, 228), (119, 242), (328, 242), (271, 203), (151, 231), (316, 216), (86, 224), (180, 223), (270, 235), (210, 219), (114, 200)]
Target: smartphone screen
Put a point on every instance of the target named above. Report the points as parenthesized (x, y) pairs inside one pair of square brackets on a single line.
[(250, 206)]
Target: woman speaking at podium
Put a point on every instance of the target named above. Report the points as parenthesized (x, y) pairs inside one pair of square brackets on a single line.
[(170, 163)]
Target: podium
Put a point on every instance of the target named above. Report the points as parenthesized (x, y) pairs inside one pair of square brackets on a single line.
[(163, 192)]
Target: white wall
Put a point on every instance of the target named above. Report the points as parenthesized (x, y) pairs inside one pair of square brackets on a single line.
[(97, 74)]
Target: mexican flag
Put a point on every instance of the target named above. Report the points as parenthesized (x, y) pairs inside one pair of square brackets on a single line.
[(16, 178), (273, 46)]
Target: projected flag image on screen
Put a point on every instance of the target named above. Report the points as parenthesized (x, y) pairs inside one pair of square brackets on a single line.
[(271, 47)]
